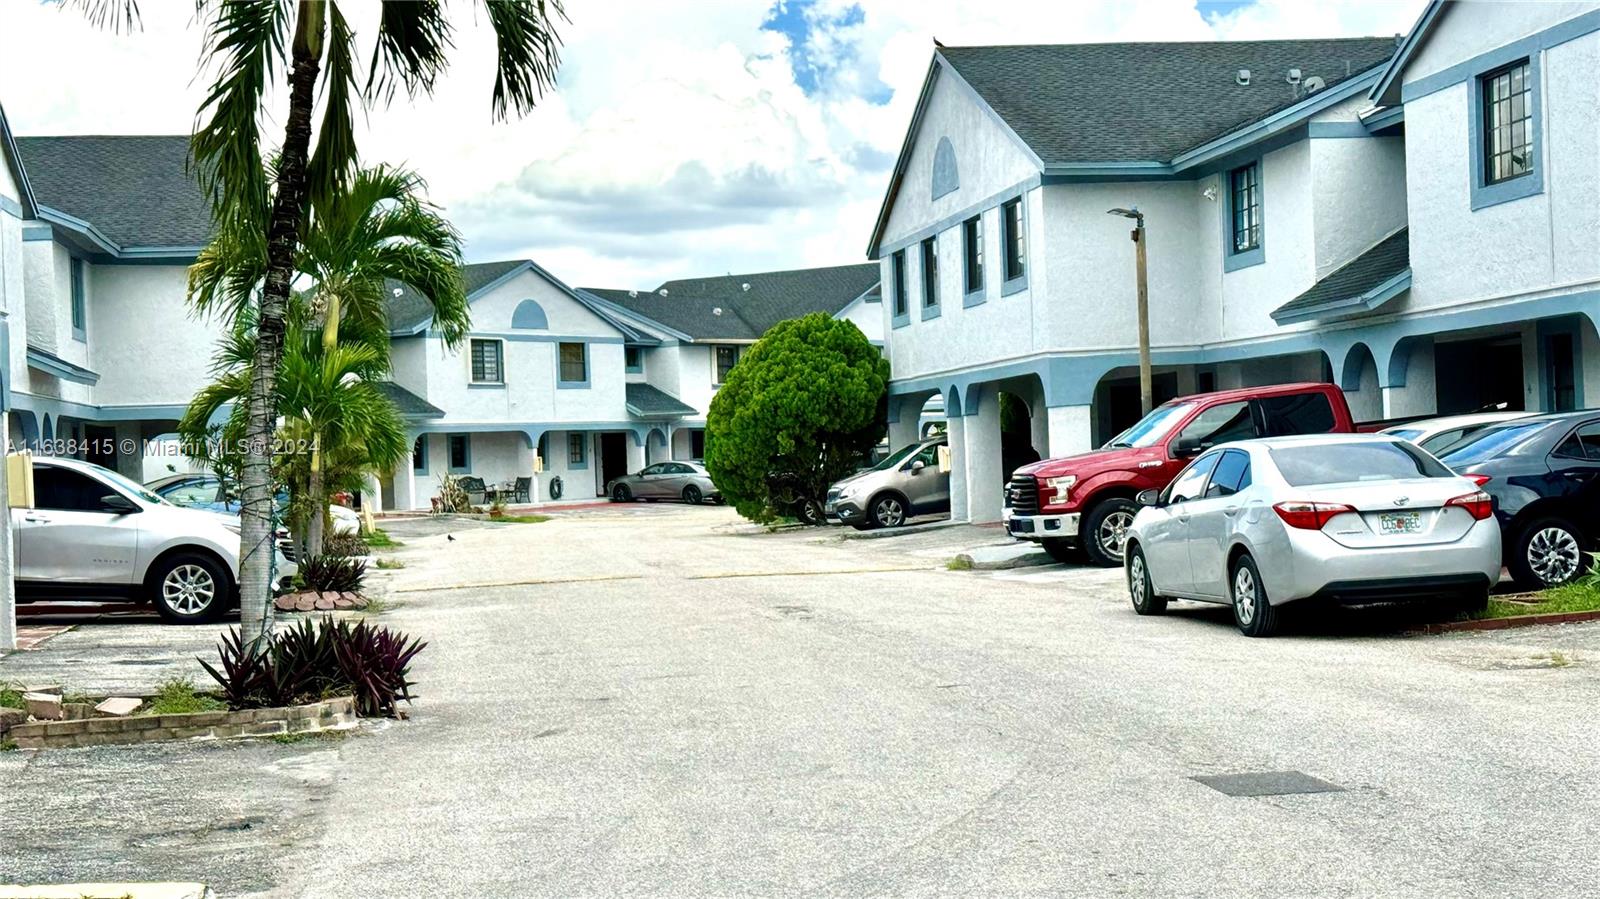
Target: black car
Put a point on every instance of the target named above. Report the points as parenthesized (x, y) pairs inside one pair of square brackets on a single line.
[(1544, 475)]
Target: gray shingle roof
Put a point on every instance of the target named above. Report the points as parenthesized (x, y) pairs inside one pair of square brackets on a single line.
[(409, 404), (409, 309), (1345, 289), (137, 190), (691, 304), (648, 401), (1133, 102)]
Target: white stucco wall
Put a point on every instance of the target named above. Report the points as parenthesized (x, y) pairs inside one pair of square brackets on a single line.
[(142, 339), (1358, 196), (1478, 26), (866, 316)]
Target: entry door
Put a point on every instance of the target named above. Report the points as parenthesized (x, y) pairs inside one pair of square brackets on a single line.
[(1560, 373), (70, 537), (613, 457)]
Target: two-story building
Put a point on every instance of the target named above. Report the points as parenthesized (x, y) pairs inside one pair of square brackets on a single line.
[(571, 388), (1416, 222)]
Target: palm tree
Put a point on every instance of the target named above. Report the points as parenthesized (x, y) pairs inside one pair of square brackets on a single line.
[(377, 229), (247, 41), (326, 398)]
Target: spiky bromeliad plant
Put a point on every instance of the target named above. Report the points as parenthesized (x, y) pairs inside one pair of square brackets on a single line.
[(315, 660)]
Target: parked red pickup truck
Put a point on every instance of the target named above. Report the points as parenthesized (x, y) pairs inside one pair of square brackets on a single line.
[(1086, 502)]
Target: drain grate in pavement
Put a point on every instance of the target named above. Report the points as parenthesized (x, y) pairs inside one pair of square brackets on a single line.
[(1267, 783)]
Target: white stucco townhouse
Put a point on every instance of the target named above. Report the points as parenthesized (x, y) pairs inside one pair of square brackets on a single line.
[(571, 388), (1316, 210)]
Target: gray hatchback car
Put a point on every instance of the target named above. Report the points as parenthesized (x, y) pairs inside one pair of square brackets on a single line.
[(687, 481), (909, 482)]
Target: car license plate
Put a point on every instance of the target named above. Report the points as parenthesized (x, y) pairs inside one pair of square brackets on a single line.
[(1390, 523)]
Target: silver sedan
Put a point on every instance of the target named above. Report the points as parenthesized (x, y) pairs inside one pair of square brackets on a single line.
[(687, 481), (1350, 518)]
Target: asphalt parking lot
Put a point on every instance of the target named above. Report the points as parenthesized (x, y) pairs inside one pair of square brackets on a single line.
[(663, 700)]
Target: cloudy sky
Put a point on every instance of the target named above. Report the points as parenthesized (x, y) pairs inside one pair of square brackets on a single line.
[(705, 137)]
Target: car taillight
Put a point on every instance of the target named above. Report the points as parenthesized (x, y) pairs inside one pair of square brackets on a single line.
[(1477, 504), (1480, 479), (1309, 516)]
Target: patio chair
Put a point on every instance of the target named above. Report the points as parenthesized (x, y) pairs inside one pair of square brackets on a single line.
[(475, 489), (521, 492)]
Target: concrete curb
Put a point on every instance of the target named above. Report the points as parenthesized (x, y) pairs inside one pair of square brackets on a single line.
[(1500, 624), (1004, 558), (850, 533), (330, 714), (108, 891)]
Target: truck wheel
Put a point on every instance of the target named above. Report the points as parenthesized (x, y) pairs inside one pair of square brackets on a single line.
[(1105, 531), (189, 588), (1063, 550)]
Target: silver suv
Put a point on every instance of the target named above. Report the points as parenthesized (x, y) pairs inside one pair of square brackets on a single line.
[(92, 533), (906, 483)]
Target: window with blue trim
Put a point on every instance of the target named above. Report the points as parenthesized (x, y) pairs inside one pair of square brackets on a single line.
[(487, 359), (80, 310), (633, 359), (419, 455), (576, 449), (930, 272), (460, 453), (1012, 238), (1245, 198), (574, 363), (1507, 123), (897, 266), (972, 254)]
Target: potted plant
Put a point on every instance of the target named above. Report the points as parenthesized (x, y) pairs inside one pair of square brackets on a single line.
[(497, 509)]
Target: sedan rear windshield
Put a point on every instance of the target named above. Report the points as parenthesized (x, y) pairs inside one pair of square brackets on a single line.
[(1491, 442), (1343, 463)]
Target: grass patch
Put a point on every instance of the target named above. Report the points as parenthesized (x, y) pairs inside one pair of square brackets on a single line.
[(179, 697), (959, 563), (379, 539), (374, 606), (521, 519), (8, 745), (390, 564), (1580, 596), (11, 698)]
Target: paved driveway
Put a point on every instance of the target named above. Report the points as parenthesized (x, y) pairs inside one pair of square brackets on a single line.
[(616, 702)]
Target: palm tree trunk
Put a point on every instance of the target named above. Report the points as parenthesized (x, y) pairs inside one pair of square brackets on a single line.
[(315, 489), (283, 238)]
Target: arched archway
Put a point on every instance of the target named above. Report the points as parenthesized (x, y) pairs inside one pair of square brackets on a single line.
[(1358, 378)]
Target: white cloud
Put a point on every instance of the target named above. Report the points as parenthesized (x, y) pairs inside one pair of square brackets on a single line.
[(678, 141)]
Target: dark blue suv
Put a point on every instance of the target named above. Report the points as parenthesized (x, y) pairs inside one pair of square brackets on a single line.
[(1544, 475)]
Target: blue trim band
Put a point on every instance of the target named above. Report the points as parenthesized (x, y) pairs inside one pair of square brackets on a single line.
[(955, 218), (1530, 46), (9, 205), (37, 232), (1316, 130)]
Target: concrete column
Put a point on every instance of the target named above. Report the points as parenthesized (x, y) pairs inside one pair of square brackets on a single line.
[(130, 437), (1039, 427), (636, 458), (1071, 429), (903, 430), (984, 475), (405, 486), (956, 429), (1403, 402), (8, 594)]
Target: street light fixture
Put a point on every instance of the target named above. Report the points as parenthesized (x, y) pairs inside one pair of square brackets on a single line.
[(1146, 397)]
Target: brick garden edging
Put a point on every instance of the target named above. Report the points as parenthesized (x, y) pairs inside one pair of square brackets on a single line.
[(1500, 624), (331, 714)]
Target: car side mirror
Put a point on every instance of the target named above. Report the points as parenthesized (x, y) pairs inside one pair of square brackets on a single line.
[(117, 504), (1149, 498), (1185, 447), (918, 466)]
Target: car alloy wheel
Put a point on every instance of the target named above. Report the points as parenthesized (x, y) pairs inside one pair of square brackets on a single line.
[(188, 589), (888, 512), (1554, 555), (1244, 596), (621, 494), (691, 495), (1113, 533)]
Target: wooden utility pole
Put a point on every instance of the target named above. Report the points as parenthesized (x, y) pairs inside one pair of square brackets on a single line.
[(1146, 390)]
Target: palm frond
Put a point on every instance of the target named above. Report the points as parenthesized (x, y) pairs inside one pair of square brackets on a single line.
[(413, 39), (527, 51), (112, 15), (245, 39), (335, 157)]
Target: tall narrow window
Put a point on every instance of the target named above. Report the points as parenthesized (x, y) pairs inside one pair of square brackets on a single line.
[(930, 273), (575, 449), (726, 358), (80, 310), (972, 245), (460, 453), (697, 444), (1245, 196), (574, 363), (419, 455), (633, 359), (486, 361), (897, 263), (1011, 235), (1507, 123)]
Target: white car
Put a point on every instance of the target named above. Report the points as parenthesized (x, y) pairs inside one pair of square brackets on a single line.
[(1349, 518), (1437, 434), (93, 534)]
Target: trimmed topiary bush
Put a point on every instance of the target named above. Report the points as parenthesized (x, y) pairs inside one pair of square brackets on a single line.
[(800, 411)]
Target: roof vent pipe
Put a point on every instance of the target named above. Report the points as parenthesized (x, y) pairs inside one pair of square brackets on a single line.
[(1293, 77), (1243, 78)]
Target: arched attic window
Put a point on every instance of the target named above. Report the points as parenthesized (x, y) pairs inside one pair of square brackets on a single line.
[(946, 178), (529, 315)]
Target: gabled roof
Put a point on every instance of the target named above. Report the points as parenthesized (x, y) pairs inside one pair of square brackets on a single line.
[(1149, 102), (135, 191), (407, 403), (410, 312), (8, 146), (1360, 285), (743, 307), (1386, 92), (648, 401)]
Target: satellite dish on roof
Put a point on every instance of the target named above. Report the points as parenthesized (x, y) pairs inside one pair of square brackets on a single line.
[(398, 291), (1313, 84), (633, 294), (745, 286), (663, 291)]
